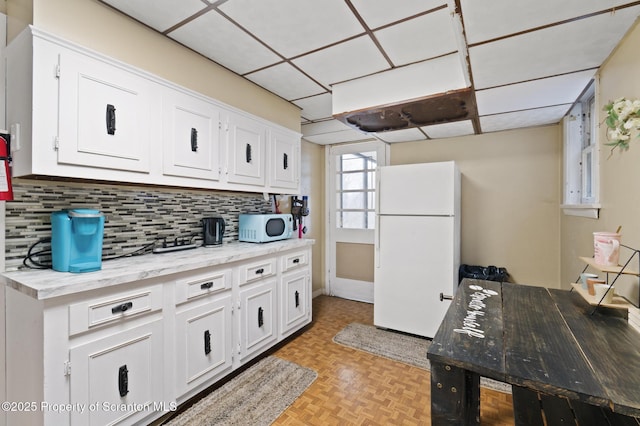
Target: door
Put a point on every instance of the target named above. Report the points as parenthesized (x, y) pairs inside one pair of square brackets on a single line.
[(415, 262), (350, 194)]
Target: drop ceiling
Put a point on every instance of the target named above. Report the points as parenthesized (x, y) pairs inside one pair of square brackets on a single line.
[(520, 63)]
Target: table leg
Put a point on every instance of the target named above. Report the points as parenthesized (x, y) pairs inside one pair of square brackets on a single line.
[(455, 396)]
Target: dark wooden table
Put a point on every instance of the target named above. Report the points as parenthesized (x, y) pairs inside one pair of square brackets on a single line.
[(565, 365)]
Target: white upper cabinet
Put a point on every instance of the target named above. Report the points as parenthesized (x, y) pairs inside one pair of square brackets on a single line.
[(246, 147), (104, 115), (284, 159), (191, 136), (83, 115)]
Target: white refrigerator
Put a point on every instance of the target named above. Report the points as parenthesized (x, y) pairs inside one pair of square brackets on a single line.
[(417, 246)]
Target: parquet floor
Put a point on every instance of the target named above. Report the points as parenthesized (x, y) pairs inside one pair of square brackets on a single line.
[(356, 388)]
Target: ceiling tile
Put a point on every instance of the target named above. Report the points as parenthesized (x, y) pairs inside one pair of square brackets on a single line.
[(406, 135), (520, 119), (218, 39), (449, 130), (286, 81), (315, 107), (420, 38), (485, 20), (343, 61), (563, 89), (377, 12), (555, 50), (158, 14), (338, 137), (329, 126), (294, 27), (397, 85)]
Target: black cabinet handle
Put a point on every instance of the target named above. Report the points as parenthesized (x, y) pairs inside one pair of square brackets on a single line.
[(259, 271), (207, 342), (123, 380), (260, 317), (206, 285), (285, 161), (194, 140), (122, 308), (247, 153), (111, 119), (296, 260), (297, 294)]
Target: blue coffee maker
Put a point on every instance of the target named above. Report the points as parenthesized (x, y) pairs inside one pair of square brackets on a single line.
[(76, 240)]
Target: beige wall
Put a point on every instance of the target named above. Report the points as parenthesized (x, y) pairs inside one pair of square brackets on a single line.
[(620, 172), (96, 26), (510, 198), (312, 177)]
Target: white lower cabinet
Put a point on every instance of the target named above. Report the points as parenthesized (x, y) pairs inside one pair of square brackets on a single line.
[(129, 353), (295, 301), (118, 378), (257, 318), (203, 342)]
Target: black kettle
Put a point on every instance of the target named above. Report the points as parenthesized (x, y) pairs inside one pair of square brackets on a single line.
[(212, 231)]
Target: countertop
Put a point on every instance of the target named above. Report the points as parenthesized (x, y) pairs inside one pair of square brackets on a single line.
[(47, 284)]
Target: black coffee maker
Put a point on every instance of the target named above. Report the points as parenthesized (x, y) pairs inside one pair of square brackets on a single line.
[(212, 230)]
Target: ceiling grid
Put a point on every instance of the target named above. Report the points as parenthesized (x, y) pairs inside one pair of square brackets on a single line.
[(522, 63)]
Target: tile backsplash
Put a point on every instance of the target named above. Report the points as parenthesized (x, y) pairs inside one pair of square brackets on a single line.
[(134, 216)]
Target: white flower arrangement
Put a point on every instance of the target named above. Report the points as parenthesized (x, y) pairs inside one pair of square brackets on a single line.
[(623, 117)]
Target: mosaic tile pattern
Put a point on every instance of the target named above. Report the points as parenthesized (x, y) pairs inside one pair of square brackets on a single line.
[(134, 216)]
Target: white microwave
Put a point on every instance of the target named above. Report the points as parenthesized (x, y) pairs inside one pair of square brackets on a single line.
[(263, 228)]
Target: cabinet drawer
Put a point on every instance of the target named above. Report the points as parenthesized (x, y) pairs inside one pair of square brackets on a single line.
[(97, 312), (203, 284), (294, 260), (256, 271)]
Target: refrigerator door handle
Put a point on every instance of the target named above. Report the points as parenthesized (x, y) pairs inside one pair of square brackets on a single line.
[(377, 241)]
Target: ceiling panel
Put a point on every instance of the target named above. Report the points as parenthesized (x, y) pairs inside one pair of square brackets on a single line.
[(449, 130), (427, 36), (485, 20), (216, 38), (306, 25), (329, 126), (563, 89), (338, 137), (315, 107), (377, 12), (406, 135), (399, 84), (570, 47), (343, 61), (286, 81), (158, 14), (520, 119)]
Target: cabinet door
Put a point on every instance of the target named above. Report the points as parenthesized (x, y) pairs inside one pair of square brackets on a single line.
[(203, 343), (294, 301), (191, 136), (258, 318), (116, 375), (104, 115), (246, 150), (284, 159)]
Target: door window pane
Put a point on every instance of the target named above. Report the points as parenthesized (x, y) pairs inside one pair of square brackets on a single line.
[(355, 190)]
